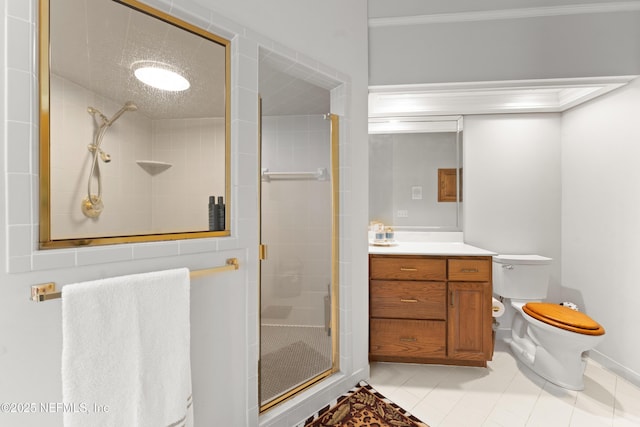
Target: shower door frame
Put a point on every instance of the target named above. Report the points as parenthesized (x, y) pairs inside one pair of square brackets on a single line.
[(335, 258)]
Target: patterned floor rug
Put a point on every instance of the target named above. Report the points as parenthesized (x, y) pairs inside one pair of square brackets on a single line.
[(362, 406)]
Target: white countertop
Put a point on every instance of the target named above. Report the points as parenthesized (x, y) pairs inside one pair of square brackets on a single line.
[(429, 248)]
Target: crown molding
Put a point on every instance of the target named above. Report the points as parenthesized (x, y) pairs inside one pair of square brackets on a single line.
[(492, 15), (499, 97)]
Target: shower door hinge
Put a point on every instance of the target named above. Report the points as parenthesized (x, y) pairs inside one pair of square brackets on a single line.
[(262, 252)]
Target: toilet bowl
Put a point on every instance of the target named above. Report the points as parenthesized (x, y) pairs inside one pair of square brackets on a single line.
[(553, 352), (548, 338)]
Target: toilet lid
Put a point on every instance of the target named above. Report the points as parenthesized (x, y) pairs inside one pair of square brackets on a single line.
[(563, 317)]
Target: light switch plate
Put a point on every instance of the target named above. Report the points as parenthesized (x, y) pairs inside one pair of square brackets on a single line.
[(416, 192)]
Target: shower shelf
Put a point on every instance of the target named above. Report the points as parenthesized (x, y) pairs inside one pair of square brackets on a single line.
[(153, 167)]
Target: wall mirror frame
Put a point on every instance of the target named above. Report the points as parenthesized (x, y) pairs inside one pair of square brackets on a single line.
[(413, 162), (88, 54)]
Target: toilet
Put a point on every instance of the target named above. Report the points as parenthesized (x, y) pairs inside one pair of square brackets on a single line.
[(549, 338)]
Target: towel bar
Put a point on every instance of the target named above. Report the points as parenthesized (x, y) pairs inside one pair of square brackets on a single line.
[(47, 291)]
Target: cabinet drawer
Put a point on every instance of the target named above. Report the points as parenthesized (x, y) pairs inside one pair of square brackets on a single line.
[(408, 338), (408, 268), (408, 300), (469, 270)]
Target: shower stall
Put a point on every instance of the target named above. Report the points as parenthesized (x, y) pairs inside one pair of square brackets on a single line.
[(298, 284)]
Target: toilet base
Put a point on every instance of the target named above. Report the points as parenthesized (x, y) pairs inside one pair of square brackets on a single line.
[(554, 354), (548, 367)]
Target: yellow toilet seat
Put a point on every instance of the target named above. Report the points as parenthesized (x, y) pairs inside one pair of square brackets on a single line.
[(563, 317)]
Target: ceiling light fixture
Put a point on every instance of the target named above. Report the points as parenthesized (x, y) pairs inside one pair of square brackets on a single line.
[(159, 76)]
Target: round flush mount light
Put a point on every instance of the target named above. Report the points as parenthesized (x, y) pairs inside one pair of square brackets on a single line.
[(160, 76)]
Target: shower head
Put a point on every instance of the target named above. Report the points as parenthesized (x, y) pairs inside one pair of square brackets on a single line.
[(128, 106)]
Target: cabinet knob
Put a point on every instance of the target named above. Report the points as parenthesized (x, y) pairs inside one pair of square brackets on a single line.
[(408, 269), (408, 300), (469, 270), (408, 339)]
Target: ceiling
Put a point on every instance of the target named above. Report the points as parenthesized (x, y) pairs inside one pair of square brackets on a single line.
[(95, 44), (286, 88)]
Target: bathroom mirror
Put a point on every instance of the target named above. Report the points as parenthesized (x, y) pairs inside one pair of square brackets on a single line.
[(134, 125), (415, 172)]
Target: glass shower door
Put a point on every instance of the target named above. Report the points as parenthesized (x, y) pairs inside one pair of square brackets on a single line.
[(299, 268)]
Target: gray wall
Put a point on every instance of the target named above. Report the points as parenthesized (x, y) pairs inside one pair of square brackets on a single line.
[(580, 45)]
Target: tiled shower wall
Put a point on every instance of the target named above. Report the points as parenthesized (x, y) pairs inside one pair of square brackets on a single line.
[(296, 221), (133, 198), (126, 188), (194, 148)]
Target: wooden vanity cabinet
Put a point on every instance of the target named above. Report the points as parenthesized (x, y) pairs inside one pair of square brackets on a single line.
[(430, 309)]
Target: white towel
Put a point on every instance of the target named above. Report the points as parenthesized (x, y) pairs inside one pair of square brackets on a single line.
[(126, 351)]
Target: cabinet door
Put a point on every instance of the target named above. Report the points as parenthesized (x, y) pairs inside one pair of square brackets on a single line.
[(469, 330), (448, 185)]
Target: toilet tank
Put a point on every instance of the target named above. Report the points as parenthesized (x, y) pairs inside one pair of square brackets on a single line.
[(523, 277)]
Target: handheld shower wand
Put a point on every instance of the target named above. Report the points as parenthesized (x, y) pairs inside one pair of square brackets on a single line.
[(92, 204), (128, 106)]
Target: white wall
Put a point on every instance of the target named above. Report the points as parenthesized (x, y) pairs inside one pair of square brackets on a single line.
[(329, 38), (512, 187), (600, 220)]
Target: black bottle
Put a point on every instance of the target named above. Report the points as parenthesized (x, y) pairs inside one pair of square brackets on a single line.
[(220, 214), (213, 220)]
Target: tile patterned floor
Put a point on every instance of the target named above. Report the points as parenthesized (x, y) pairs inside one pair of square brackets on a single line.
[(506, 394)]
